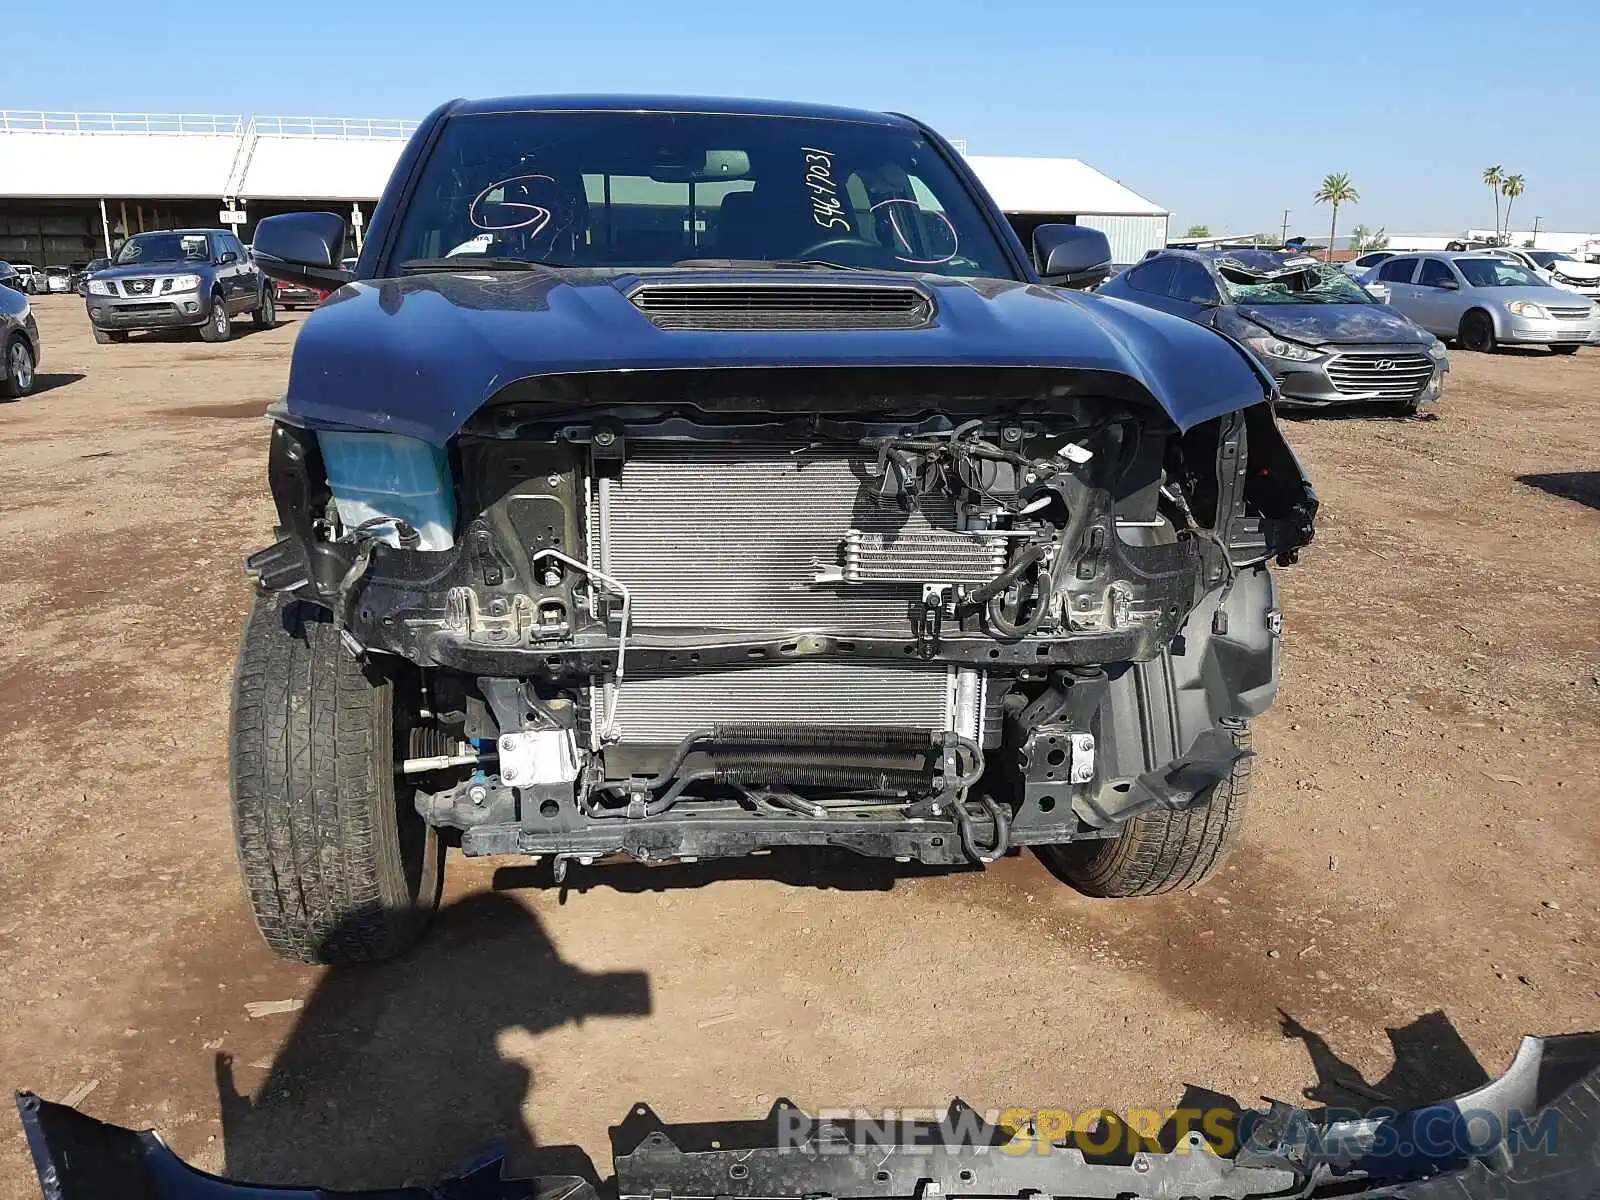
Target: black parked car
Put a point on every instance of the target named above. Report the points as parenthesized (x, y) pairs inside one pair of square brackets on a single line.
[(19, 335), (1323, 337), (686, 478), (179, 278), (82, 271)]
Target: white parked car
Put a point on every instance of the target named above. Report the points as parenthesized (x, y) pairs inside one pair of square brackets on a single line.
[(1357, 267), (1565, 270), (30, 276), (1553, 267)]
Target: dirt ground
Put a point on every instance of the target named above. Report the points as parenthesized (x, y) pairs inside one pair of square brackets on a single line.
[(1419, 882)]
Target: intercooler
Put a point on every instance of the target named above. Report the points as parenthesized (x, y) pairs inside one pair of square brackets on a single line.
[(734, 538)]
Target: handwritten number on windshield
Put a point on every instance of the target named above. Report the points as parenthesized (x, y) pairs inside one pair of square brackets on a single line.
[(826, 210)]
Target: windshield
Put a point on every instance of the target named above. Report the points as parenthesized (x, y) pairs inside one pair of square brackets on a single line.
[(1319, 284), (164, 247), (615, 189), (1496, 272), (1545, 257)]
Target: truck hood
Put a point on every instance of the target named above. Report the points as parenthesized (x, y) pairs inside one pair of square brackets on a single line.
[(419, 355), (149, 268), (1336, 324)]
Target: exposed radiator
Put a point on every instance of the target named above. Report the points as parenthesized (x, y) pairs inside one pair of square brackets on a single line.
[(663, 709), (734, 537)]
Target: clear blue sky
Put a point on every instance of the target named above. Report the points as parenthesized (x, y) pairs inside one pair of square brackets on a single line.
[(1226, 112)]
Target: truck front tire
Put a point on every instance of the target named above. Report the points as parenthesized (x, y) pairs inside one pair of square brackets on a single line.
[(338, 867), (219, 325), (266, 314), (1161, 851)]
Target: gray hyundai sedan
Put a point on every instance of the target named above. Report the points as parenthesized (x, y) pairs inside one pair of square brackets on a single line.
[(1325, 340), (1483, 301)]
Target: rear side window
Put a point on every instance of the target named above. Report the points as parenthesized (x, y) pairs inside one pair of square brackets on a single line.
[(1191, 282), (1435, 274), (1397, 270), (1152, 276)]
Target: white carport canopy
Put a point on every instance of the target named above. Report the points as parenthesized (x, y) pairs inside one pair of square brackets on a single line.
[(1058, 186)]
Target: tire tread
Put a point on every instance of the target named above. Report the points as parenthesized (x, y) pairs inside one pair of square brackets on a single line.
[(317, 843), (1162, 851)]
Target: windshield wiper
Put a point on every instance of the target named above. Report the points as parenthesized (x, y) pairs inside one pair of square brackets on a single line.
[(776, 264), (425, 266)]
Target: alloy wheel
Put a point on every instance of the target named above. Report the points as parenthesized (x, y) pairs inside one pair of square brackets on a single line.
[(20, 366)]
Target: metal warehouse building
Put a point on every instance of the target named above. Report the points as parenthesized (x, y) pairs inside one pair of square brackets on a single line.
[(72, 185), (1036, 191)]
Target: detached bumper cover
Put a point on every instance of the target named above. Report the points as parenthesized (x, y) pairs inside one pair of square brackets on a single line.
[(1532, 1134)]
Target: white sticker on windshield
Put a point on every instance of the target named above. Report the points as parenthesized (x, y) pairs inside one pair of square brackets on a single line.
[(474, 245), (826, 209)]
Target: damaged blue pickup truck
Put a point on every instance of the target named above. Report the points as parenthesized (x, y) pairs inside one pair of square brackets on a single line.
[(688, 478)]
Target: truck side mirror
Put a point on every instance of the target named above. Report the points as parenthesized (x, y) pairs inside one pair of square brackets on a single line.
[(302, 248), (1073, 256)]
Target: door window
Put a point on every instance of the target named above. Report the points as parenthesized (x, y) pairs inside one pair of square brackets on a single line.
[(1151, 276), (1192, 283), (1435, 274), (1397, 270)]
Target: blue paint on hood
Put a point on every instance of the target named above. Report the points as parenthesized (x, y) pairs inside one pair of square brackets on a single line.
[(419, 355)]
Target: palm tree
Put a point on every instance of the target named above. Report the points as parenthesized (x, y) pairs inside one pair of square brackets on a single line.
[(1363, 239), (1493, 177), (1336, 190), (1511, 187)]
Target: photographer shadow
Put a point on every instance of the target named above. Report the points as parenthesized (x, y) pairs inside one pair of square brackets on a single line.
[(1432, 1062), (392, 1072)]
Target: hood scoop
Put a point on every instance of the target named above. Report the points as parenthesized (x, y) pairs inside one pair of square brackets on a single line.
[(693, 305)]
